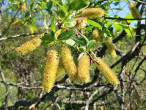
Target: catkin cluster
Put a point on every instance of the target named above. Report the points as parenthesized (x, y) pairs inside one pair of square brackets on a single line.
[(55, 68), (111, 48), (23, 8), (134, 10), (93, 13), (76, 74), (50, 70), (83, 69), (81, 22), (96, 35), (107, 72), (28, 46), (15, 23), (68, 63), (89, 13)]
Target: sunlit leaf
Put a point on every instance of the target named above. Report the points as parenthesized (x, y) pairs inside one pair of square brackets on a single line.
[(70, 23), (70, 42), (89, 28), (67, 34), (91, 44), (130, 16), (53, 24), (78, 4), (128, 30), (95, 24), (117, 26)]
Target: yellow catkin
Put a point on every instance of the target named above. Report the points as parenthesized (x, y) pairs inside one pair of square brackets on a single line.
[(23, 8), (31, 31), (83, 69), (96, 35), (68, 62), (60, 71), (81, 22), (39, 35), (15, 23), (111, 48), (93, 13), (106, 72), (28, 46), (134, 10), (50, 70)]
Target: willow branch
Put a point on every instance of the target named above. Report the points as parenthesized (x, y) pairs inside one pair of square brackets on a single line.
[(15, 36), (124, 18), (141, 2)]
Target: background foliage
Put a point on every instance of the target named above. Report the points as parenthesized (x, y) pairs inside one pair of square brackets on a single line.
[(21, 76)]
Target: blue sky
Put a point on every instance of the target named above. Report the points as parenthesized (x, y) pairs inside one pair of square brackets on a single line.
[(125, 10), (123, 5)]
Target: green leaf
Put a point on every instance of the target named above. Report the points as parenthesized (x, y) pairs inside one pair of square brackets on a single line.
[(64, 2), (34, 27), (95, 24), (53, 24), (45, 23), (86, 1), (78, 41), (49, 5), (60, 13), (128, 30), (33, 20), (48, 39), (91, 44), (64, 8), (130, 16), (69, 23), (67, 34), (108, 24), (70, 42), (116, 0), (116, 20), (78, 4), (89, 28), (119, 9), (50, 12), (27, 14), (117, 26), (116, 3), (75, 60)]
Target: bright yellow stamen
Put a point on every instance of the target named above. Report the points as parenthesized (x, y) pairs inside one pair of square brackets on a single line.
[(28, 46), (81, 22), (68, 63), (83, 69), (96, 35), (111, 48), (106, 72), (50, 70), (93, 13), (134, 10), (60, 71)]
